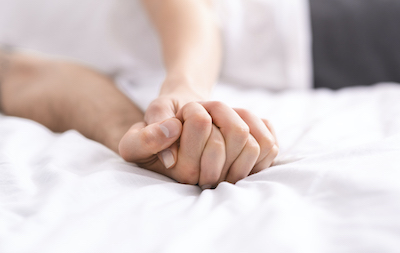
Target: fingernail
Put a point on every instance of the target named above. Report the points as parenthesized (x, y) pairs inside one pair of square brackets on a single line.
[(169, 128), (168, 158), (205, 187)]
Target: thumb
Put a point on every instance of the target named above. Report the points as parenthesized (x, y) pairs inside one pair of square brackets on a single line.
[(142, 142), (159, 110)]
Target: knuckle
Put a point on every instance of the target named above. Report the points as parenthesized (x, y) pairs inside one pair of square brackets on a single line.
[(156, 106), (253, 146), (196, 110), (156, 103), (191, 106), (218, 105), (201, 119), (241, 131), (267, 142), (274, 151)]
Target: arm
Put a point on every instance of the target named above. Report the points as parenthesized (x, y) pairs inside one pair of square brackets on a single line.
[(191, 49), (207, 155), (64, 96)]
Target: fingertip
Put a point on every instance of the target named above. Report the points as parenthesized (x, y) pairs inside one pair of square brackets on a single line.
[(142, 141), (167, 158), (126, 143), (270, 127)]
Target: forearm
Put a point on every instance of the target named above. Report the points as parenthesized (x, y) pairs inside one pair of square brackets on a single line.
[(65, 96), (190, 43)]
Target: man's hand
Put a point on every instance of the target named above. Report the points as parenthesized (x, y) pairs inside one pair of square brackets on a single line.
[(142, 143), (210, 143)]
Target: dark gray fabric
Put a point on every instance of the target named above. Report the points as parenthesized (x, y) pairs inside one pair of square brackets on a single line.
[(355, 42)]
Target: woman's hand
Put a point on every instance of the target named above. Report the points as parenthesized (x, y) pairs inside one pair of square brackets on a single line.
[(192, 51)]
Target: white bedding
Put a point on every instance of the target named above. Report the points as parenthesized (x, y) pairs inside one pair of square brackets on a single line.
[(335, 187)]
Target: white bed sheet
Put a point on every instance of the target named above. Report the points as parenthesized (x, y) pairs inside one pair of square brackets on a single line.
[(335, 186)]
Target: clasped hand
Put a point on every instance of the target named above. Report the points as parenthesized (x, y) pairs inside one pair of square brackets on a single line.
[(205, 143)]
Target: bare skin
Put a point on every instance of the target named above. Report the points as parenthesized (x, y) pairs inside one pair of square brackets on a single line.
[(190, 141), (70, 96), (192, 50), (63, 95)]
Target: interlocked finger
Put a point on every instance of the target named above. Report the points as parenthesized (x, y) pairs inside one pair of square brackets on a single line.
[(259, 130), (267, 161), (243, 165), (212, 160)]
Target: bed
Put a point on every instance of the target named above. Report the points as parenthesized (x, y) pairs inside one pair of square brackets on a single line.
[(334, 187)]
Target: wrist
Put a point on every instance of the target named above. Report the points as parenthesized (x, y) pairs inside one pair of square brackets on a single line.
[(183, 85)]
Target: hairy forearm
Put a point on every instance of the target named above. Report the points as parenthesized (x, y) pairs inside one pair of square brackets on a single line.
[(190, 43), (65, 96)]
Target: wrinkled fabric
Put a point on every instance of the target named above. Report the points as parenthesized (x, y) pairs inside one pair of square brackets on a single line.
[(334, 186)]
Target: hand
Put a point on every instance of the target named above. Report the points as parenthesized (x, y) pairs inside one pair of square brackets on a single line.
[(142, 142), (237, 144), (170, 101)]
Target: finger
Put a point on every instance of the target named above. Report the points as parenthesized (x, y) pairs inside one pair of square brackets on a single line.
[(212, 160), (197, 125), (260, 131), (272, 130), (159, 110), (243, 165), (169, 156), (142, 142), (234, 130), (267, 161)]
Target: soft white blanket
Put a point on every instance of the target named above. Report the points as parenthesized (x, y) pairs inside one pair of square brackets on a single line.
[(335, 186)]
